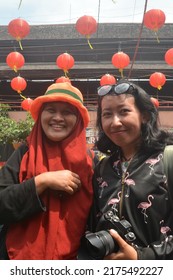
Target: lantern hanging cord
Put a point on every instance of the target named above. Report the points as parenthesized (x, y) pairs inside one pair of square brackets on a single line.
[(98, 17), (19, 4), (139, 38)]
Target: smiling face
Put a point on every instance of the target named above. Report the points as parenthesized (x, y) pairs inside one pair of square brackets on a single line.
[(58, 120), (121, 121)]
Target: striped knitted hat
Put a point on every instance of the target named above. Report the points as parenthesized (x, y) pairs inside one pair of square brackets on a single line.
[(64, 92)]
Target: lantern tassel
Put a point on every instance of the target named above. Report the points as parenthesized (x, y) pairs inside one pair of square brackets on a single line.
[(159, 87), (89, 44), (158, 41), (121, 72), (20, 44), (88, 37), (22, 95), (15, 69), (65, 73)]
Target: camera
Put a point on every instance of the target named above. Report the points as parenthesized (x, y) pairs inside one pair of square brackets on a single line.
[(101, 243)]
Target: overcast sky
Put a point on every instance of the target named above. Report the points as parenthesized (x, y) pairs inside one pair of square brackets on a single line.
[(68, 11)]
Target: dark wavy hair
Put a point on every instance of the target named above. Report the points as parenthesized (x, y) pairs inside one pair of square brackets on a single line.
[(153, 137)]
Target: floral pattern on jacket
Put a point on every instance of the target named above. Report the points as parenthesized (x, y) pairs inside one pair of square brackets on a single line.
[(141, 199)]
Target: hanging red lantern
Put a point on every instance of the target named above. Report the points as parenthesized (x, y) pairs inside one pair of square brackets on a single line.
[(19, 29), (155, 101), (157, 80), (154, 19), (15, 60), (65, 61), (120, 60), (18, 84), (86, 25), (107, 79), (169, 57), (63, 79), (26, 104)]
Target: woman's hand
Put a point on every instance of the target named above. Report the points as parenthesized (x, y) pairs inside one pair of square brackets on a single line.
[(126, 251), (63, 180)]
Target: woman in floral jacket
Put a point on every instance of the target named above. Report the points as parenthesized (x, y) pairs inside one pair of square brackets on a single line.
[(130, 184)]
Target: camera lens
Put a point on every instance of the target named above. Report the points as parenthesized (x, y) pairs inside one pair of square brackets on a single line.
[(100, 244)]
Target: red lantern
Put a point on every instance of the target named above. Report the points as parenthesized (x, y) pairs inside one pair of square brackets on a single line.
[(120, 60), (15, 60), (65, 61), (154, 19), (86, 25), (107, 79), (169, 57), (19, 29), (155, 101), (18, 84), (63, 79), (157, 80), (26, 104)]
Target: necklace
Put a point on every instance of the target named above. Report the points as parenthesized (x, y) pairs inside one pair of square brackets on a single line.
[(125, 159), (124, 165)]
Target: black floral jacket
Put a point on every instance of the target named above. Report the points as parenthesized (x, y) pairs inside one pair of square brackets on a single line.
[(141, 198)]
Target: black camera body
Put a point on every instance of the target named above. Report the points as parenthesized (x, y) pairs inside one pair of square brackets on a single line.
[(101, 243)]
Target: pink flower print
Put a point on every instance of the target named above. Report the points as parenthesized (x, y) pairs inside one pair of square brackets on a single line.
[(153, 161), (164, 230), (102, 185), (115, 166), (144, 206), (114, 201), (99, 180), (129, 182)]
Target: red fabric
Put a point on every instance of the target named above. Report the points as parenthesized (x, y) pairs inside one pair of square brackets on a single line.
[(56, 233), (2, 163)]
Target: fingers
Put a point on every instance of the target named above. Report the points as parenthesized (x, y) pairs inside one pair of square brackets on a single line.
[(73, 183), (121, 242), (126, 251), (75, 175), (75, 179), (73, 187), (62, 180)]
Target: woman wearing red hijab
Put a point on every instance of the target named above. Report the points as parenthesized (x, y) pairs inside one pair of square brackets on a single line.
[(45, 186)]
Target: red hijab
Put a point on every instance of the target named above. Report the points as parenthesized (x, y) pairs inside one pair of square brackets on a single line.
[(55, 233)]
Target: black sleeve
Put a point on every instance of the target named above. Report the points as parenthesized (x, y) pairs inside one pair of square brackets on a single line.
[(94, 211), (17, 200)]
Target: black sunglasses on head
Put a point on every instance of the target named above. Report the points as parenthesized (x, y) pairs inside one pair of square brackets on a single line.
[(117, 89)]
